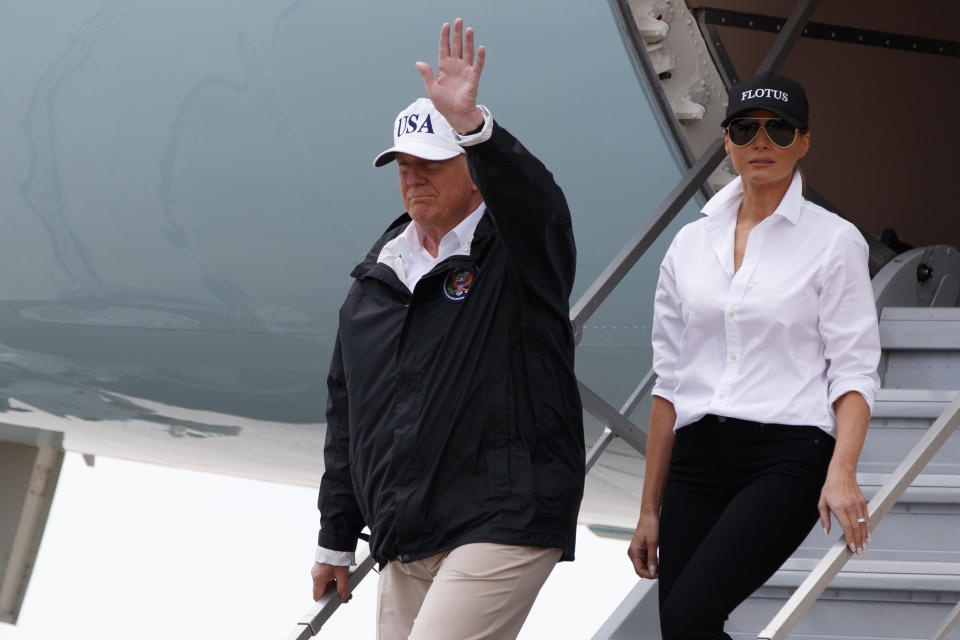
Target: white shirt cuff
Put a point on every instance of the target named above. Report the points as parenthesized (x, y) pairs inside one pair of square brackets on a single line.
[(335, 558), (865, 387), (476, 138)]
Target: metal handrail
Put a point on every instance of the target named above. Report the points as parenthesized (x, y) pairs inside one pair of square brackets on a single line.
[(311, 622), (949, 623), (891, 491), (788, 36)]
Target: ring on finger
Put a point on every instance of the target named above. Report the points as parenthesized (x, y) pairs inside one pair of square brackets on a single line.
[(861, 521)]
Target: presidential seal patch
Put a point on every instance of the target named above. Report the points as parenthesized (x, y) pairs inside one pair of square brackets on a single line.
[(457, 283)]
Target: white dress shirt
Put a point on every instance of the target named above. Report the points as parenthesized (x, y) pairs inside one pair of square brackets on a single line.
[(784, 337), (410, 261)]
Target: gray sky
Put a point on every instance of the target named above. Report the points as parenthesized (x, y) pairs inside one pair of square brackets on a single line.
[(135, 550)]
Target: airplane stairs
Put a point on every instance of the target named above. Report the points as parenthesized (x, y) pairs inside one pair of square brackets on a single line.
[(907, 585)]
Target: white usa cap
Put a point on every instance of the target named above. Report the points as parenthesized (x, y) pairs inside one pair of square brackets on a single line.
[(421, 131)]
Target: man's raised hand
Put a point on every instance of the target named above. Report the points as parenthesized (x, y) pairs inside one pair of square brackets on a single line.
[(454, 89)]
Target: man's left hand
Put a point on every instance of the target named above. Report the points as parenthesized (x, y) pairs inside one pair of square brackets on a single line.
[(325, 575), (454, 89)]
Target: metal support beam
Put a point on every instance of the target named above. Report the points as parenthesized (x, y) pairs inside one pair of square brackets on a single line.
[(598, 448), (789, 35), (728, 73), (891, 491), (30, 463), (320, 612), (628, 408), (594, 296), (709, 19), (612, 419), (645, 386)]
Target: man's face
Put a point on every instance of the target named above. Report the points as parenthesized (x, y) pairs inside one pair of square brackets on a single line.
[(437, 193)]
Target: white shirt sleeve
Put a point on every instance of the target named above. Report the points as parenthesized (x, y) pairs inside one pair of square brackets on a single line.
[(848, 319), (481, 136), (667, 328), (335, 558)]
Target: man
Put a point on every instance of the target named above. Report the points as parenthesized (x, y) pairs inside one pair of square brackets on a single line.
[(454, 426)]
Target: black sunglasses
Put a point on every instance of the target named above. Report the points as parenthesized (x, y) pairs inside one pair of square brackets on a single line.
[(743, 131)]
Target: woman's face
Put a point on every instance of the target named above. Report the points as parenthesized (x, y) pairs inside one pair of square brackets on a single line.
[(760, 161)]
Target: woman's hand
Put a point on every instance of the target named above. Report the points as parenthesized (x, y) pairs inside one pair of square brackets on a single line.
[(646, 539), (643, 547), (842, 496)]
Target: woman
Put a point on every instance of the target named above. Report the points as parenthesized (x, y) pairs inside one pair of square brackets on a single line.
[(766, 347)]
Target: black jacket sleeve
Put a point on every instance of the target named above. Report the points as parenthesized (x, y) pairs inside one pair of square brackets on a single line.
[(340, 517), (529, 211)]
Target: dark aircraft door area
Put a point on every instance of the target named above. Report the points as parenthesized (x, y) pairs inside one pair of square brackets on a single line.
[(187, 184)]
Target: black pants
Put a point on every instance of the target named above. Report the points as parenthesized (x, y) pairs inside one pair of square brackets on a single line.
[(740, 497)]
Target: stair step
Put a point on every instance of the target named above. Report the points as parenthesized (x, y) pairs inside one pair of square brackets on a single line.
[(920, 369), (917, 531), (892, 433), (912, 403), (895, 598), (887, 444), (930, 488), (877, 575), (845, 618), (920, 327)]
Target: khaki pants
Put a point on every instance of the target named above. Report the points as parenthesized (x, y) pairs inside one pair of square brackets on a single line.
[(473, 592)]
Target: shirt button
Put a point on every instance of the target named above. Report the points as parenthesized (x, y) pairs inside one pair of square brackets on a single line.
[(733, 356), (720, 395), (731, 313)]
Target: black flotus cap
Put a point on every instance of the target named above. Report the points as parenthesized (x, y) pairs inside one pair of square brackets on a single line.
[(772, 92)]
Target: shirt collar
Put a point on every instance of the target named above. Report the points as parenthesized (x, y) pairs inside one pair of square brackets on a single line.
[(468, 226), (731, 195), (460, 237)]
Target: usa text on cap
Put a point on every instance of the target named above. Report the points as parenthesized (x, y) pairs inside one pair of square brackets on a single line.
[(421, 131)]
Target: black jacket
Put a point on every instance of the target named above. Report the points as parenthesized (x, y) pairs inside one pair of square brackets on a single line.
[(453, 414)]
